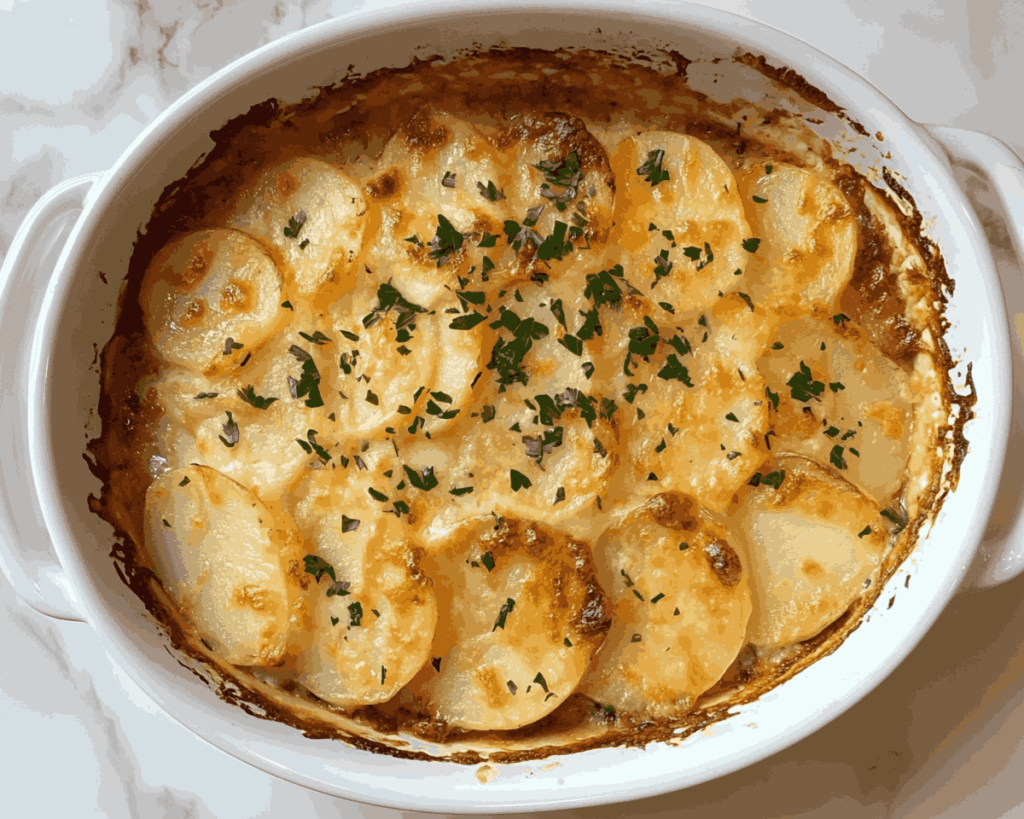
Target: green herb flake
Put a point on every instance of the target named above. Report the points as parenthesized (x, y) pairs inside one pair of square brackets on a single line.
[(864, 532), (760, 200), (355, 613), (803, 386), (503, 614), (184, 481), (488, 560), (519, 481), (652, 168), (231, 434), (836, 457), (318, 567), (751, 245)]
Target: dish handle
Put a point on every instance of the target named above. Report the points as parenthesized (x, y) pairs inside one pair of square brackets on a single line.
[(1001, 552), (27, 557)]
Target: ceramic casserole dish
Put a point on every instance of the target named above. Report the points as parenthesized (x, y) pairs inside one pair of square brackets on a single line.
[(60, 285)]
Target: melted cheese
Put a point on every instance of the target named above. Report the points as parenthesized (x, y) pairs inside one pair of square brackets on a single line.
[(532, 360)]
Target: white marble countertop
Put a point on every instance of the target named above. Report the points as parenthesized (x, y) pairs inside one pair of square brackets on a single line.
[(79, 79)]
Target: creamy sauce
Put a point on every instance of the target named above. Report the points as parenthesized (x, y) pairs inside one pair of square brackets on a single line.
[(719, 378)]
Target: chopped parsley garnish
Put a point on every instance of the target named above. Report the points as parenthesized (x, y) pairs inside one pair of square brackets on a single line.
[(662, 267), (310, 446), (184, 481), (287, 304), (460, 490), (666, 306), (355, 613), (231, 434), (732, 417), (519, 480), (751, 245), (657, 597), (572, 344), (778, 345), (230, 344), (317, 338), (488, 561), (295, 225), (832, 432), (555, 245), (772, 479), (760, 199), (334, 620), (421, 479), (503, 613), (467, 321), (448, 181), (378, 496), (207, 395), (258, 401), (652, 168), (839, 318), (768, 169), (675, 371), (773, 397), (566, 174), (318, 567), (490, 192), (836, 386), (803, 386), (539, 679), (865, 531), (446, 241), (559, 495), (702, 257), (746, 298), (836, 457), (349, 524)]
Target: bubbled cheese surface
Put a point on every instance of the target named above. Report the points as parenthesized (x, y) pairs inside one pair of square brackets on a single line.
[(542, 413)]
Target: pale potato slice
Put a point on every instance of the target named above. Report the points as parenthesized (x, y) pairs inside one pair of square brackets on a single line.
[(247, 425), (693, 412), (312, 217), (233, 571), (808, 235), (520, 616), (399, 362), (208, 296), (681, 606), (433, 213), (854, 409), (684, 235), (809, 547), (371, 614)]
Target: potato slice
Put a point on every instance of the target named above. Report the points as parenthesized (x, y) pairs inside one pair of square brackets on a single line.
[(433, 213), (233, 571), (693, 411), (520, 616), (246, 424), (206, 292), (681, 606), (371, 614), (684, 234), (808, 235), (840, 401), (809, 546), (312, 217)]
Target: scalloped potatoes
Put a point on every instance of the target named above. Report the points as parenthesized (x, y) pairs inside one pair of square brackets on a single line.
[(515, 412)]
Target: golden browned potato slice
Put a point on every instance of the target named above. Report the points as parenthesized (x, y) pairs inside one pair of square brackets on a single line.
[(693, 409), (232, 570), (207, 292), (561, 198), (520, 616), (681, 605), (439, 190), (312, 217), (684, 233), (371, 614), (808, 239), (809, 541), (840, 401)]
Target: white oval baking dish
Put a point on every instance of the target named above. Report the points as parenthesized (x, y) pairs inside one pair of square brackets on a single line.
[(56, 552)]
